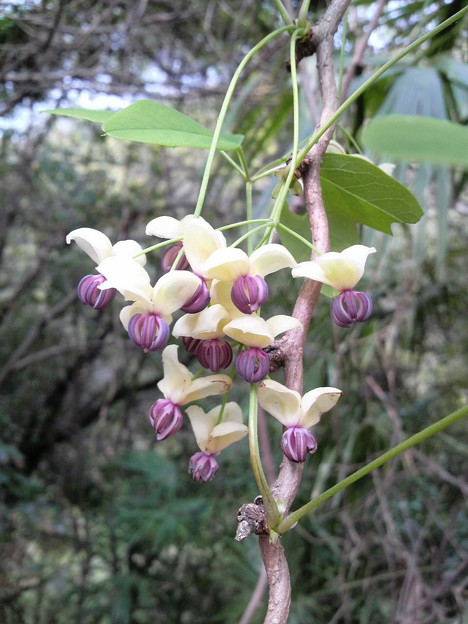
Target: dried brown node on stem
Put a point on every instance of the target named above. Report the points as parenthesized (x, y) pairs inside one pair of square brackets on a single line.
[(251, 519)]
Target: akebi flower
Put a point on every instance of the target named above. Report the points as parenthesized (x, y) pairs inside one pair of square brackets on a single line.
[(342, 271), (147, 319), (179, 388), (97, 246), (213, 434), (206, 327), (247, 274), (296, 414), (253, 364)]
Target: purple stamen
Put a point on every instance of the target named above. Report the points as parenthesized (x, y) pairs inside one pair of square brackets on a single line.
[(199, 300), (202, 467), (351, 307), (253, 364), (170, 256), (148, 331), (90, 294), (191, 344), (165, 418), (297, 442), (214, 354), (249, 292)]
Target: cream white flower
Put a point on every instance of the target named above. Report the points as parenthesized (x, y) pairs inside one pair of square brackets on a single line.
[(169, 294), (230, 263), (98, 246), (178, 386), (212, 437), (204, 325), (290, 409), (342, 270), (255, 331)]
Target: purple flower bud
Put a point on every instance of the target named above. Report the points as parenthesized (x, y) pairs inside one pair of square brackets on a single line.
[(165, 418), (297, 442), (202, 467), (90, 294), (170, 256), (199, 300), (253, 364), (214, 354), (148, 331), (350, 307), (191, 344), (248, 293)]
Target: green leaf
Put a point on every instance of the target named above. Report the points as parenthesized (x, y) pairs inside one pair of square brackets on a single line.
[(151, 122), (89, 114), (406, 137), (358, 191)]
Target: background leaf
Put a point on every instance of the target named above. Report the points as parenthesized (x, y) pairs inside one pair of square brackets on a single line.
[(356, 190), (151, 122), (407, 137)]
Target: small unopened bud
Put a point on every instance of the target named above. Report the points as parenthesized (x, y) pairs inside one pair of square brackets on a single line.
[(90, 294), (351, 307), (148, 331), (202, 467), (165, 418), (214, 354), (253, 364), (170, 256), (249, 292), (297, 442), (199, 300)]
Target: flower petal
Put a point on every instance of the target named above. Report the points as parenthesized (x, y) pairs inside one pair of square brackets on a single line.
[(226, 264), (225, 434), (270, 258), (92, 242), (281, 323), (200, 241), (173, 290), (316, 402), (207, 386), (129, 248), (281, 402), (206, 324), (127, 276), (250, 330), (202, 424), (167, 227), (342, 270), (177, 377)]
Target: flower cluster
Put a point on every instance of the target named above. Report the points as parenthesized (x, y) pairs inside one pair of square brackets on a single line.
[(220, 289)]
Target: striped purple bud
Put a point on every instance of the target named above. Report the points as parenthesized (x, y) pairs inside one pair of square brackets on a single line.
[(248, 293), (202, 467), (148, 331), (253, 364), (297, 442), (351, 307), (165, 418), (90, 294), (199, 300), (191, 344), (170, 256), (214, 354)]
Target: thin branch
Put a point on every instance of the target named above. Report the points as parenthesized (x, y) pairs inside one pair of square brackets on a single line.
[(361, 48), (256, 598)]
